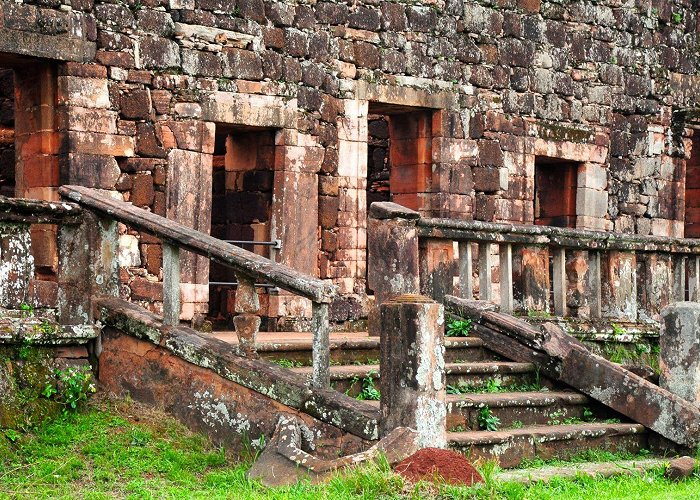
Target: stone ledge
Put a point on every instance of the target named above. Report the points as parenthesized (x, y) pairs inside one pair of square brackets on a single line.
[(46, 46)]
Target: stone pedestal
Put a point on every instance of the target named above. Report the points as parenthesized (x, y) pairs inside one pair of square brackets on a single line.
[(679, 359), (412, 378)]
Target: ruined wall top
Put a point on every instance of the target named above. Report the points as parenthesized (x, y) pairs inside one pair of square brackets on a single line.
[(543, 55)]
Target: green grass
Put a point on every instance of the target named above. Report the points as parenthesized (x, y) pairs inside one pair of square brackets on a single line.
[(122, 450)]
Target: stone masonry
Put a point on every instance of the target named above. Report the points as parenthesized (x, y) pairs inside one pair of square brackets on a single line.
[(458, 100)]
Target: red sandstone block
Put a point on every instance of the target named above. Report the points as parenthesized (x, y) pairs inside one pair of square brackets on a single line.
[(142, 289), (142, 192), (100, 144), (43, 293), (407, 179), (152, 256), (84, 70), (40, 171)]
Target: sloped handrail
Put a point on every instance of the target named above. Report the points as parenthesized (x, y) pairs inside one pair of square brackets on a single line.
[(244, 261)]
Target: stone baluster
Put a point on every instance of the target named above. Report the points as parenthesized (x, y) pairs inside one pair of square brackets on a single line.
[(595, 285), (171, 284), (656, 285), (679, 263), (465, 270), (505, 258), (694, 278), (485, 290), (436, 268), (559, 285), (247, 321)]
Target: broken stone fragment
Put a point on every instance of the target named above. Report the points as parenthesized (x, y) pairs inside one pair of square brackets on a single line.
[(287, 458), (680, 468)]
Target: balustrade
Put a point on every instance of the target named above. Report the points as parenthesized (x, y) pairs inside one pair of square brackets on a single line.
[(547, 270)]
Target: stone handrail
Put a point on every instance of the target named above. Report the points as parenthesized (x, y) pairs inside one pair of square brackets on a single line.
[(248, 267), (24, 211), (570, 272)]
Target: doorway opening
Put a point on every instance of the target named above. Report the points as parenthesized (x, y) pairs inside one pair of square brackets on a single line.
[(243, 181), (399, 163), (692, 189), (555, 192)]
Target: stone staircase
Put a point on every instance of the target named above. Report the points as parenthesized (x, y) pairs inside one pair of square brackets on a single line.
[(536, 417)]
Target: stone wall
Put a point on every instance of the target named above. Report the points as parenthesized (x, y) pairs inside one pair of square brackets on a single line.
[(143, 88)]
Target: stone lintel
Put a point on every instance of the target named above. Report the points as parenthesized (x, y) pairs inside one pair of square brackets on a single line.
[(46, 46)]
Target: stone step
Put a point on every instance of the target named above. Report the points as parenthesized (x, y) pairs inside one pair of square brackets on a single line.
[(576, 469), (344, 351), (516, 408), (350, 378), (511, 447)]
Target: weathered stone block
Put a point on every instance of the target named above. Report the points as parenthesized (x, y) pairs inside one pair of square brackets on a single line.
[(413, 368), (679, 359)]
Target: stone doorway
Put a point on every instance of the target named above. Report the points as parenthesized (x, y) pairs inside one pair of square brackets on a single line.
[(243, 173), (692, 188), (29, 161), (399, 155)]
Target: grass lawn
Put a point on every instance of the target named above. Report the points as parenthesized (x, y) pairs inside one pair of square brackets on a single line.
[(119, 449)]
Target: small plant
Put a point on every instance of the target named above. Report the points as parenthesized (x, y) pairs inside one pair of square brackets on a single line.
[(369, 391), (588, 415), (72, 388), (517, 424), (554, 417), (538, 314), (494, 385), (677, 18), (459, 328), (618, 329), (27, 310), (287, 363), (25, 350), (11, 435), (487, 420)]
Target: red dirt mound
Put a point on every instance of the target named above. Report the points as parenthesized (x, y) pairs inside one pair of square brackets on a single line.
[(433, 464)]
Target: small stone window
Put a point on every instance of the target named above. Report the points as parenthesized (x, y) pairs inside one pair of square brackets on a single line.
[(692, 189), (555, 192)]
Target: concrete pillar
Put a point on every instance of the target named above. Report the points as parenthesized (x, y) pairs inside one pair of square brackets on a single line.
[(679, 359), (412, 378)]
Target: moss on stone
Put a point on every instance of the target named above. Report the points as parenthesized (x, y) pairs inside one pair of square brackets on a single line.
[(23, 377)]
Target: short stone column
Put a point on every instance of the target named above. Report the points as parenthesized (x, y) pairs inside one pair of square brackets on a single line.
[(392, 255), (679, 359), (412, 380)]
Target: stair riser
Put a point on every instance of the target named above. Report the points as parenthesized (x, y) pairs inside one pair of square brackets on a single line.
[(371, 356), (467, 418), (512, 453), (352, 386)]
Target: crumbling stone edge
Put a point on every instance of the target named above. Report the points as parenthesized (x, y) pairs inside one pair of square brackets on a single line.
[(278, 383)]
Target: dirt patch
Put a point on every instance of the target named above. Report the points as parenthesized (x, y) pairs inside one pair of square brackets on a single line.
[(434, 464)]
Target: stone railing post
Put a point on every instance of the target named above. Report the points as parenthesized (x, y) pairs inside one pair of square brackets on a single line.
[(392, 255), (247, 321), (16, 264), (412, 378), (87, 267), (679, 357)]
